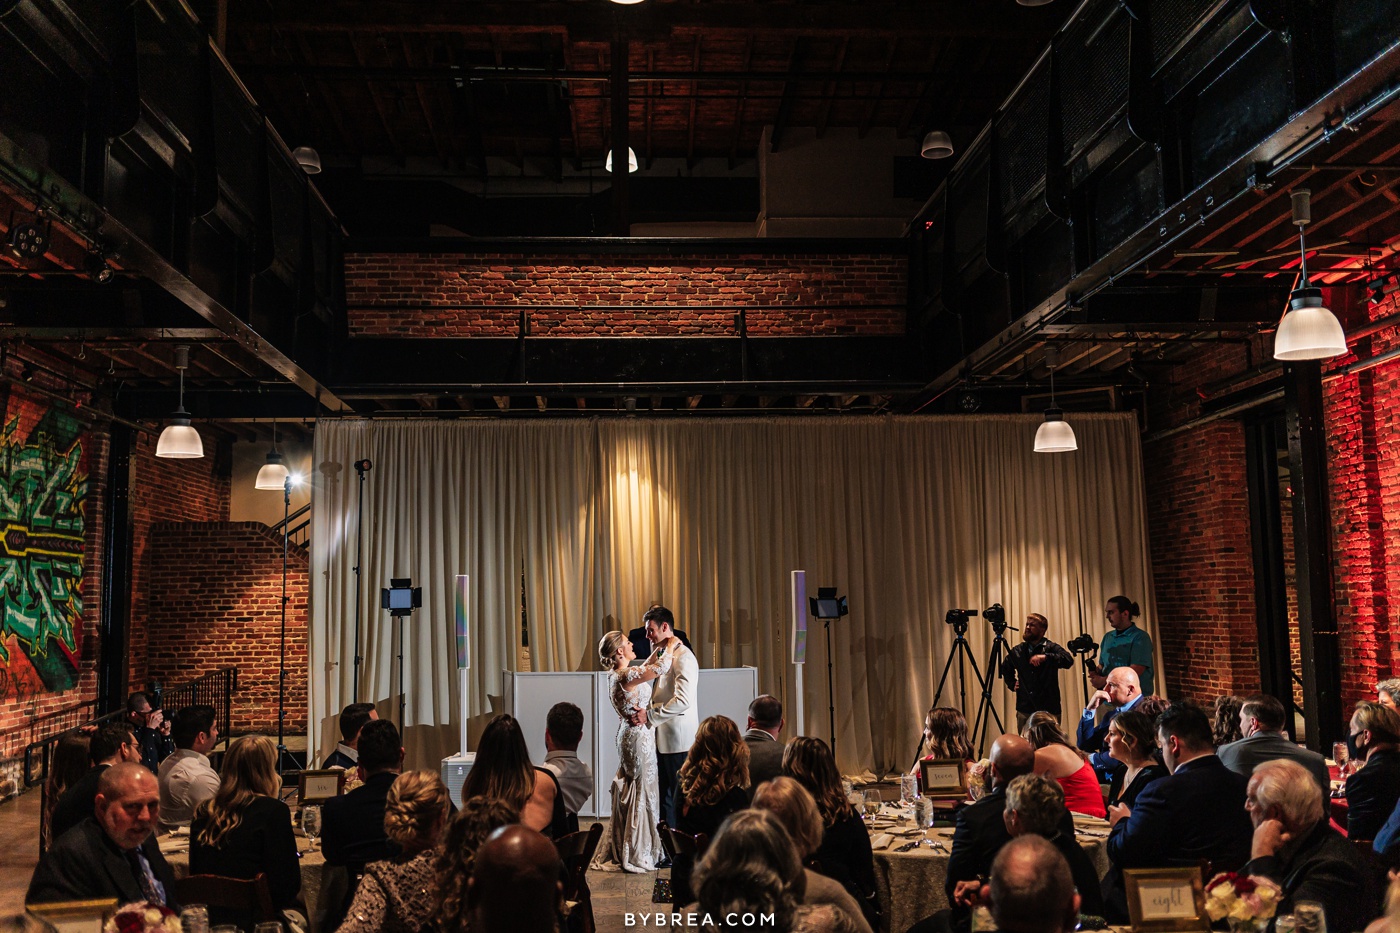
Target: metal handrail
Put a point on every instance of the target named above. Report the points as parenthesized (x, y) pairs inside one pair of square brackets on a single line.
[(284, 523)]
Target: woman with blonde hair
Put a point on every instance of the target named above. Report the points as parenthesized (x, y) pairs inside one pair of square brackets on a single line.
[(794, 807), (244, 830), (632, 842), (1056, 757), (398, 895), (712, 784), (478, 819), (503, 771), (1373, 746)]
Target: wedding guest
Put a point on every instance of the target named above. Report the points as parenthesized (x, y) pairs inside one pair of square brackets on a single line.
[(70, 764), (1373, 790), (1225, 722), (352, 720), (1036, 804), (398, 895), (244, 830), (751, 867), (1388, 692), (1132, 741), (1031, 889), (765, 750), (152, 730), (1123, 689), (713, 783), (352, 825), (794, 807), (1295, 847), (1055, 757), (563, 731), (945, 736), (478, 819), (186, 777), (515, 886), (113, 853), (844, 855), (1152, 706), (111, 744), (503, 771), (1261, 725)]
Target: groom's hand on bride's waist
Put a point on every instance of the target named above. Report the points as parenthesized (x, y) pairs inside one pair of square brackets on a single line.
[(639, 718)]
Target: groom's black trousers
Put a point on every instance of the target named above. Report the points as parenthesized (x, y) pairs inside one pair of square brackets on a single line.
[(668, 766)]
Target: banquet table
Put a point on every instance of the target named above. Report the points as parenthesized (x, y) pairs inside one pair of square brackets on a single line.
[(910, 883)]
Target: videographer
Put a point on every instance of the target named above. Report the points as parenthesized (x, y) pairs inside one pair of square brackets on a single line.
[(152, 731), (1125, 646), (1032, 671)]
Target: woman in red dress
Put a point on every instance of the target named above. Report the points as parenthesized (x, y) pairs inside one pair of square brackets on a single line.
[(1055, 757)]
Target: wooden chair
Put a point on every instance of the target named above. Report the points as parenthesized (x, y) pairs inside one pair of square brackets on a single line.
[(576, 851), (681, 848), (233, 894)]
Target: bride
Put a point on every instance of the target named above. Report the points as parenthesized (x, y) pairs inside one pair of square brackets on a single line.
[(632, 842)]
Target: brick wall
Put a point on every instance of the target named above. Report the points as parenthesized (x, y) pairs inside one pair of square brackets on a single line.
[(582, 295), (215, 594)]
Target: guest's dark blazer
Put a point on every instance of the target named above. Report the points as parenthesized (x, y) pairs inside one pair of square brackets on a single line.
[(262, 841), (75, 804), (1372, 794), (338, 759), (85, 864), (155, 746), (352, 825), (765, 758), (1328, 869), (1197, 813), (1082, 870)]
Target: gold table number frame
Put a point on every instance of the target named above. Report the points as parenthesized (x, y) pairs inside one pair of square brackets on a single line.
[(320, 786), (1166, 900), (944, 778)]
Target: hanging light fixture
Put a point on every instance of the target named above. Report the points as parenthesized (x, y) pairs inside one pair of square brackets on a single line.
[(1054, 434), (631, 161), (309, 159), (1308, 331), (179, 440), (273, 474), (936, 145)]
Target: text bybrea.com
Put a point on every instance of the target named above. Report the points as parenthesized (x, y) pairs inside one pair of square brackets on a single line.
[(731, 920)]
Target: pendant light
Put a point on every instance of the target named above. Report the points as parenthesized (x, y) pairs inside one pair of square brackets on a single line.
[(1308, 331), (631, 161), (1054, 434), (179, 440), (273, 474)]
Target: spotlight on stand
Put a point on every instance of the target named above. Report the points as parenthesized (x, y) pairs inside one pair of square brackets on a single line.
[(179, 440), (1308, 331), (401, 598), (826, 605)]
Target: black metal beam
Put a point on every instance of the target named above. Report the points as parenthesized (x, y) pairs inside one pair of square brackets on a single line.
[(113, 667), (621, 133), (486, 75), (632, 246)]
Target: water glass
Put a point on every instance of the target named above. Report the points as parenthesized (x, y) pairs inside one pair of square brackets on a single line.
[(311, 822), (923, 812), (195, 919), (1339, 753), (908, 788), (1310, 917), (226, 928), (872, 802), (847, 788), (269, 926)]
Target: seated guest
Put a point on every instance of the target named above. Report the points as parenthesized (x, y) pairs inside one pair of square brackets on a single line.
[(765, 751), (1132, 741), (1036, 804), (1056, 758), (945, 736), (110, 745), (478, 819), (1372, 792), (1225, 722), (1032, 890), (563, 730), (1388, 692), (1152, 706), (1261, 724), (70, 764), (244, 830), (113, 853), (1295, 847), (503, 771), (751, 867), (397, 895), (844, 854), (152, 730), (352, 825), (515, 886), (1196, 813), (794, 807), (1122, 688), (713, 783), (186, 778), (352, 720)]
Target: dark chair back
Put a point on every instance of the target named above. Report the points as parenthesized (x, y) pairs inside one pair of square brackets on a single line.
[(576, 851), (231, 894), (676, 842)]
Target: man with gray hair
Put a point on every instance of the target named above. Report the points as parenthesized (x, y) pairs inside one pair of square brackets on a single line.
[(1035, 805), (765, 751), (1031, 888), (1261, 724), (1388, 692), (1294, 847)]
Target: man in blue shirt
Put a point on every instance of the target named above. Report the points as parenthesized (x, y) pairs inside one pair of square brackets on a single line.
[(1125, 646), (1122, 688)]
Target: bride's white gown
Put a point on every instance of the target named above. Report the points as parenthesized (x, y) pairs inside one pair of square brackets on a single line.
[(632, 843)]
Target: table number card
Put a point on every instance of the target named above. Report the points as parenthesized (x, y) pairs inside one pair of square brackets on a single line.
[(319, 786), (944, 777), (1166, 900)]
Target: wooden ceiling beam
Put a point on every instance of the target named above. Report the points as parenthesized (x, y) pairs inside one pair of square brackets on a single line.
[(421, 94), (829, 91), (875, 101), (378, 104)]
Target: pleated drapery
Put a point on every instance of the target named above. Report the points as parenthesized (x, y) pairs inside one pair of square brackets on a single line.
[(584, 524)]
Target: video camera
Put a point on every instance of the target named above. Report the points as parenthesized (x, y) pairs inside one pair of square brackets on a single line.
[(1084, 646), (957, 618)]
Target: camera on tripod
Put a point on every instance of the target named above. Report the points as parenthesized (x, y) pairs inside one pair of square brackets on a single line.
[(996, 615), (957, 618)]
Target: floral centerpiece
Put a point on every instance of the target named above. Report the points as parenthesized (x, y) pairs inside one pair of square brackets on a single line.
[(1247, 902), (979, 779), (143, 917)]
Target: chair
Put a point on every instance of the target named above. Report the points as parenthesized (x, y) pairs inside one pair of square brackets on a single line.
[(235, 894), (576, 851), (684, 850)]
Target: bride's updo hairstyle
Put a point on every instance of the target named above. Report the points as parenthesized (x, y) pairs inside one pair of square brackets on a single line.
[(608, 647)]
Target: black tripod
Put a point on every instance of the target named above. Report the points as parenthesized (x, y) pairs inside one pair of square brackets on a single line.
[(961, 653), (986, 710)]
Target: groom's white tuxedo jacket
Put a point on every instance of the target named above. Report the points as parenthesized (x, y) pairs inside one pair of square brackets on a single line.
[(673, 704)]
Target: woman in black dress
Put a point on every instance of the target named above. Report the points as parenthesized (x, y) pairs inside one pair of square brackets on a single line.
[(713, 783), (503, 771), (244, 830), (1132, 739)]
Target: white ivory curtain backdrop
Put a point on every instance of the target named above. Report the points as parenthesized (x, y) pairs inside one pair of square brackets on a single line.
[(583, 524)]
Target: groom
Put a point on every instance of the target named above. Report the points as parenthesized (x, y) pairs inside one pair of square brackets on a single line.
[(672, 708)]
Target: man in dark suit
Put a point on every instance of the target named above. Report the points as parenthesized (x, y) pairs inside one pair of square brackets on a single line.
[(152, 730), (765, 751), (1125, 691), (1196, 813), (112, 744), (113, 853), (352, 826), (1035, 804), (352, 720), (1296, 848), (1261, 724)]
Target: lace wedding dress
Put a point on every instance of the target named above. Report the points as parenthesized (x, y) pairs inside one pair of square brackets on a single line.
[(632, 843)]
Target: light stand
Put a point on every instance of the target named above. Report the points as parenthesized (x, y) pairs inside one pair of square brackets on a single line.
[(401, 597), (826, 605), (282, 753), (361, 467)]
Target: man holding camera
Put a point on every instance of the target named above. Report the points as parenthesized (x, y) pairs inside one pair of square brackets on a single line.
[(152, 731), (1032, 671)]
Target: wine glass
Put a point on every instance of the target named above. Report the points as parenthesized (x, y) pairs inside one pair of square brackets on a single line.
[(311, 822), (1339, 755), (872, 802)]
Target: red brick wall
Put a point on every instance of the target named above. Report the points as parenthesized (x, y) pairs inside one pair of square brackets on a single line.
[(215, 601), (482, 294)]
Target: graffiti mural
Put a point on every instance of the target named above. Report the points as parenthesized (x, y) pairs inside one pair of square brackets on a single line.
[(43, 490)]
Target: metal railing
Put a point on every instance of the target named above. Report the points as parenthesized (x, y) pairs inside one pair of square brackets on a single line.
[(296, 526)]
